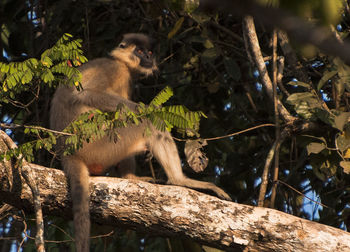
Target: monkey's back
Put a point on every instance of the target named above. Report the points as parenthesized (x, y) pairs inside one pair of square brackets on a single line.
[(63, 111), (101, 75)]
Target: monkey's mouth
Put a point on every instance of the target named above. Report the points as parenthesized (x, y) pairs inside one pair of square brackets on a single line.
[(146, 63)]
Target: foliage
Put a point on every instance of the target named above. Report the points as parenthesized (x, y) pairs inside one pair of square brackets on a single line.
[(311, 106), (326, 11), (55, 64), (96, 124), (203, 59)]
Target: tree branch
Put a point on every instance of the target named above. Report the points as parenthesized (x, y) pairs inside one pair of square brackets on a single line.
[(174, 210), (298, 29), (27, 174), (250, 36)]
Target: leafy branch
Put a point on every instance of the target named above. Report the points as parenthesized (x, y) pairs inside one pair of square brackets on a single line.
[(310, 106), (54, 66), (95, 124)]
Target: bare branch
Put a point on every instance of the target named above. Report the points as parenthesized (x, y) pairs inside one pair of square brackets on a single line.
[(277, 121), (28, 176), (250, 36)]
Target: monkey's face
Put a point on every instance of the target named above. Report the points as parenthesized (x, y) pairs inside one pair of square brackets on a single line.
[(136, 51)]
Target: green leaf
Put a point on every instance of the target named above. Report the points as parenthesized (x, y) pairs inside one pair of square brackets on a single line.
[(208, 44), (346, 166), (176, 28), (190, 6), (299, 84), (28, 76), (341, 119), (327, 76), (325, 116), (315, 148), (209, 55), (67, 36), (46, 61), (305, 104), (4, 68), (47, 76), (343, 143), (162, 97), (200, 17), (343, 74), (304, 110), (116, 115), (297, 97)]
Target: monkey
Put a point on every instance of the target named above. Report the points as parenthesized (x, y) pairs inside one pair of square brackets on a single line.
[(107, 82)]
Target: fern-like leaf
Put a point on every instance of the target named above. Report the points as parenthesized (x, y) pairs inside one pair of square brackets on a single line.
[(162, 97)]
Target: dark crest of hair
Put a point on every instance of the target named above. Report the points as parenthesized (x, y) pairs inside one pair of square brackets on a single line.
[(139, 39)]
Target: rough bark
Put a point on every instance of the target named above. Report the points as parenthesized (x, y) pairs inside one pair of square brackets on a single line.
[(172, 210)]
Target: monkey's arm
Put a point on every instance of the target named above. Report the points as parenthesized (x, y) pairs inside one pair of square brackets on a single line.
[(101, 100)]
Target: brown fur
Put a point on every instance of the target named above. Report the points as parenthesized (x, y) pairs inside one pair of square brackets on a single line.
[(106, 83)]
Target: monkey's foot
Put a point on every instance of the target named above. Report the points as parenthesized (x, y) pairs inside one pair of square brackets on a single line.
[(222, 194), (195, 184)]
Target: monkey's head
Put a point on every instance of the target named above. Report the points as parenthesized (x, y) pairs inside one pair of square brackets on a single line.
[(135, 50)]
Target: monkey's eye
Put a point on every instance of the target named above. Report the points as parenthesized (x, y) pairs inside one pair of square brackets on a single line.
[(122, 45)]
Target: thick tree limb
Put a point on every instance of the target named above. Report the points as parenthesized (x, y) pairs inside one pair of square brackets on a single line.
[(173, 210)]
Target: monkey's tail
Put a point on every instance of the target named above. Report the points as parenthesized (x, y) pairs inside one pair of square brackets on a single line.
[(78, 175), (195, 184)]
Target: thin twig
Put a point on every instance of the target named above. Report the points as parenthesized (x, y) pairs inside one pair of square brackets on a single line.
[(280, 69), (15, 126), (265, 175), (24, 232), (5, 210), (63, 231), (290, 187), (230, 135), (103, 235), (277, 128)]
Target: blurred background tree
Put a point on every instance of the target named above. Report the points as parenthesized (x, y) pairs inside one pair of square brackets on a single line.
[(203, 57)]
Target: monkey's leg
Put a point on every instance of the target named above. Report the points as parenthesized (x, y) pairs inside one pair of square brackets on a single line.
[(78, 175), (164, 149), (127, 168)]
